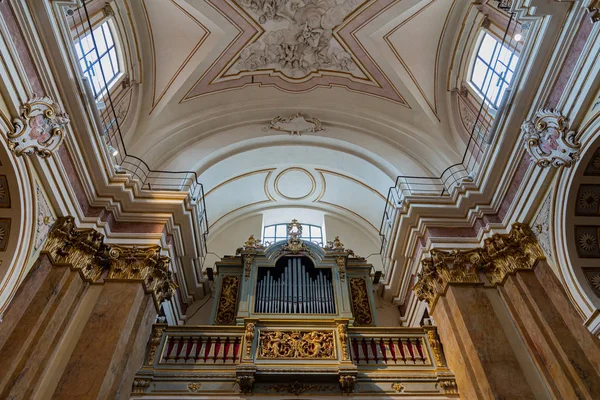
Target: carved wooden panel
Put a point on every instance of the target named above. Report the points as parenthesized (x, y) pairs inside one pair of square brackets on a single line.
[(227, 306), (361, 306)]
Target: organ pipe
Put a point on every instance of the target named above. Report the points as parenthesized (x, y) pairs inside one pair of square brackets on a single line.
[(295, 292)]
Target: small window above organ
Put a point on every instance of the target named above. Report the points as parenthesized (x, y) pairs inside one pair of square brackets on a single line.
[(278, 232)]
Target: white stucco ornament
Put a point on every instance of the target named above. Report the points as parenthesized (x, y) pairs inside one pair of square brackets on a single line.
[(550, 141), (39, 129), (295, 125)]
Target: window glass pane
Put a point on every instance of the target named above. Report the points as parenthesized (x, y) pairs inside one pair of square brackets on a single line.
[(269, 231), (479, 74), (107, 68), (513, 62), (315, 231), (108, 35), (488, 44)]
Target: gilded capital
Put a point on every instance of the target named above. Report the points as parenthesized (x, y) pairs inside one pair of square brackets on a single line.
[(84, 250), (500, 256)]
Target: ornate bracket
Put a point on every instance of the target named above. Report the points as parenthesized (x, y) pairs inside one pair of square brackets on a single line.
[(39, 129), (347, 383), (594, 10), (550, 141)]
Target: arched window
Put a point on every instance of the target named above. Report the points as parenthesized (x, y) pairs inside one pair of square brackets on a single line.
[(276, 232), (97, 54), (493, 69)]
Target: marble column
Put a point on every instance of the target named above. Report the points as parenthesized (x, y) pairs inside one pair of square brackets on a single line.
[(566, 353), (477, 347), (78, 325), (34, 323), (111, 346), (508, 328)]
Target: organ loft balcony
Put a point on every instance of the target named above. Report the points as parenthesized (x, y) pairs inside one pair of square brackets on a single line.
[(294, 318)]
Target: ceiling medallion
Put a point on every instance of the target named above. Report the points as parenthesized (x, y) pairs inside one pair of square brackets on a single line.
[(295, 125), (298, 37)]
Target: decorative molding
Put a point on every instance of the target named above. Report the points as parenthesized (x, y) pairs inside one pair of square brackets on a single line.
[(45, 217), (4, 192), (39, 129), (398, 387), (361, 306), (84, 250), (347, 383), (245, 382), (295, 125), (343, 335), (248, 260), (448, 386), (541, 226), (194, 387), (435, 343), (296, 388), (593, 277), (500, 256), (4, 233), (593, 9), (230, 286), (296, 345), (154, 342), (249, 339), (139, 386), (341, 265), (550, 141)]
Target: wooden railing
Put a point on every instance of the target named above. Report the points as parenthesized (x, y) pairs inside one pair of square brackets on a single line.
[(202, 357)]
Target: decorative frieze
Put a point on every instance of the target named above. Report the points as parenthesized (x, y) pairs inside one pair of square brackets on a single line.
[(361, 306), (550, 141), (39, 129), (343, 336), (228, 297), (296, 388), (501, 255), (295, 125), (85, 251), (297, 344)]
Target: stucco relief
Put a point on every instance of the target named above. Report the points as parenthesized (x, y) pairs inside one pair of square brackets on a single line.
[(39, 129), (298, 37), (45, 217), (550, 141), (541, 226)]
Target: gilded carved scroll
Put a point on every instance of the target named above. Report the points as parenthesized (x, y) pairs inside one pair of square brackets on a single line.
[(297, 344), (228, 300), (361, 307)]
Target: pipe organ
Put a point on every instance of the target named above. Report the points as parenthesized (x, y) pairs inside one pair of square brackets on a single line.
[(295, 289)]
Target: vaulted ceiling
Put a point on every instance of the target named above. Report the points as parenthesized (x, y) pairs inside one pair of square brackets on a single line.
[(373, 72)]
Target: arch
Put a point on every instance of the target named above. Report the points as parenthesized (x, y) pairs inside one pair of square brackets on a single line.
[(577, 221), (17, 220)]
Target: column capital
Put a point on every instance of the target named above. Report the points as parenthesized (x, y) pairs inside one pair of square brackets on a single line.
[(500, 256), (84, 250)]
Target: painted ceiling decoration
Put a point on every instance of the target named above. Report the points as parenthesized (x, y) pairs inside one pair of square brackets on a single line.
[(297, 46)]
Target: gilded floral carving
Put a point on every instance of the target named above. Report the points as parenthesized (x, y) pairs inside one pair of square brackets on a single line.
[(297, 344), (39, 129), (194, 387), (550, 141), (297, 388), (347, 383), (361, 306), (228, 297)]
